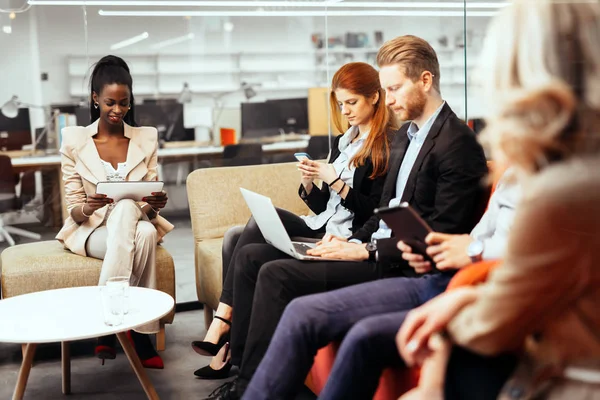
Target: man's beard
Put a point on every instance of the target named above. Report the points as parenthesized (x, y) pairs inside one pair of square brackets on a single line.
[(414, 107)]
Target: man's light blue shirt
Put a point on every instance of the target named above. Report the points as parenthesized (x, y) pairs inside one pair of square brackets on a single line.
[(416, 137)]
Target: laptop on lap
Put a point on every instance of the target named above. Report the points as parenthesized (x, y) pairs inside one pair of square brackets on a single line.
[(272, 228)]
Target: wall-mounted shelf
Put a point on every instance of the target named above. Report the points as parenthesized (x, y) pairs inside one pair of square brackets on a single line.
[(80, 74), (214, 73), (201, 72)]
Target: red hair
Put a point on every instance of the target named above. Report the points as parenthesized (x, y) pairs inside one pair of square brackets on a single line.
[(362, 79)]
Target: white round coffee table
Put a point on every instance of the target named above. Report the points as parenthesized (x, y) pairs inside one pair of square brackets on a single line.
[(64, 315)]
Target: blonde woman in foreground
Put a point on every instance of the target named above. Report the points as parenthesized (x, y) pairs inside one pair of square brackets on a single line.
[(533, 330)]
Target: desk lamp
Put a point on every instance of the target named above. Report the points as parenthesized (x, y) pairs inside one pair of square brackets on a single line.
[(248, 89), (10, 109), (186, 94)]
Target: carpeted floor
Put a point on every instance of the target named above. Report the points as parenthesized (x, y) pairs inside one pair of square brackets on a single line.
[(116, 379)]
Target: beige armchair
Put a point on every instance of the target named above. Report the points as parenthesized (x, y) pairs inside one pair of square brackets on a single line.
[(47, 265), (216, 204)]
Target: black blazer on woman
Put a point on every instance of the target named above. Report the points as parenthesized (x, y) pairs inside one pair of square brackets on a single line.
[(362, 199)]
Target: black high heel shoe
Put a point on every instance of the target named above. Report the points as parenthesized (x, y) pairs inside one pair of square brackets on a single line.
[(211, 349), (209, 372)]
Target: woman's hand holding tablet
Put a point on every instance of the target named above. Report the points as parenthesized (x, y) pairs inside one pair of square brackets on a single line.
[(133, 190)]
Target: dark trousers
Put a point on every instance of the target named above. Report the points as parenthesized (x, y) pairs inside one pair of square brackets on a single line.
[(470, 376), (265, 283), (235, 239), (230, 240), (366, 316)]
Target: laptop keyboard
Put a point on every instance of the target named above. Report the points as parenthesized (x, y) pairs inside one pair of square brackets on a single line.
[(301, 248)]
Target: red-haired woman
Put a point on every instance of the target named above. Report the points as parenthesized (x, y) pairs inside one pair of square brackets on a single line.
[(352, 186)]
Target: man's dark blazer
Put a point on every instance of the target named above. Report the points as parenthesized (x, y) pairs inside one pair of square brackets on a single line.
[(362, 199), (445, 185)]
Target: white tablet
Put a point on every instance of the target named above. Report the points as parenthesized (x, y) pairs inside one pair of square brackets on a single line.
[(135, 190)]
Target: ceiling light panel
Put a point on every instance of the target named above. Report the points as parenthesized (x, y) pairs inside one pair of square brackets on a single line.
[(291, 4), (171, 42), (306, 13), (130, 41)]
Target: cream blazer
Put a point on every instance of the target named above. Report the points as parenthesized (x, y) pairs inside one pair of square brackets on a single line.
[(546, 295), (82, 170)]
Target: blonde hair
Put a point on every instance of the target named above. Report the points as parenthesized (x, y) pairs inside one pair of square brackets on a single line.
[(413, 54), (541, 73)]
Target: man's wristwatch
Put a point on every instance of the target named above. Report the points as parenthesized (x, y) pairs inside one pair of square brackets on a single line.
[(372, 249), (475, 251)]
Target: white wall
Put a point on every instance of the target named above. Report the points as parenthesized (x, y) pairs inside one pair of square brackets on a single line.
[(61, 33), (16, 61), (19, 65), (58, 41)]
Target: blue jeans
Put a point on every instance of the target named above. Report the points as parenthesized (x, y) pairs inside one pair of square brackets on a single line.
[(366, 316)]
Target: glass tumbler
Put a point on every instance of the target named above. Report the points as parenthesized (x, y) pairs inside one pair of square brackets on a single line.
[(121, 281), (112, 304)]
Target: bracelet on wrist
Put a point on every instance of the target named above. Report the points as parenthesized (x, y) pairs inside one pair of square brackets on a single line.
[(334, 181), (83, 212), (342, 189), (154, 212)]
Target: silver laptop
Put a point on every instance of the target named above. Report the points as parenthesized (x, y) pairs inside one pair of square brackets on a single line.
[(272, 228)]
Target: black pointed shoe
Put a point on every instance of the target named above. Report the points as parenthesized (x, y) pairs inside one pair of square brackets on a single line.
[(209, 373), (211, 349)]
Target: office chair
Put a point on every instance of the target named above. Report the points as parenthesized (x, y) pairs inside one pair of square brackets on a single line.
[(242, 154), (10, 203), (280, 158), (318, 147)]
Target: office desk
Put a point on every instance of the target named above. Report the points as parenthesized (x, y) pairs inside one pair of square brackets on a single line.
[(52, 162), (168, 153)]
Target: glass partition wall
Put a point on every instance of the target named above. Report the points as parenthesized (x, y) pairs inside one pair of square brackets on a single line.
[(358, 36), (226, 83)]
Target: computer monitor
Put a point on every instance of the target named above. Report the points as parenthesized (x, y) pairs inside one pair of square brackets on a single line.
[(293, 114), (68, 108), (166, 117), (273, 116), (15, 132), (160, 101), (82, 115), (259, 120)]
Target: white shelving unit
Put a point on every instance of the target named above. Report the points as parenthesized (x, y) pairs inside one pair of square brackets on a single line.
[(287, 71), (209, 73)]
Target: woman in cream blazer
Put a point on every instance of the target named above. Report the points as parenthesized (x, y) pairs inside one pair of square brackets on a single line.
[(82, 170), (532, 331), (123, 234)]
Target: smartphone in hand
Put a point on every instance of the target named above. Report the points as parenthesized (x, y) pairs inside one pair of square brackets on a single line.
[(302, 156)]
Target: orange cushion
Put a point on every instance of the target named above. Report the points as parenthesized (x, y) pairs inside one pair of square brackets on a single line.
[(393, 382), (322, 367), (473, 274)]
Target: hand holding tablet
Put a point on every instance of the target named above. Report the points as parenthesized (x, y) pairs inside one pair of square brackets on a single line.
[(407, 226), (95, 202), (134, 190), (157, 201)]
